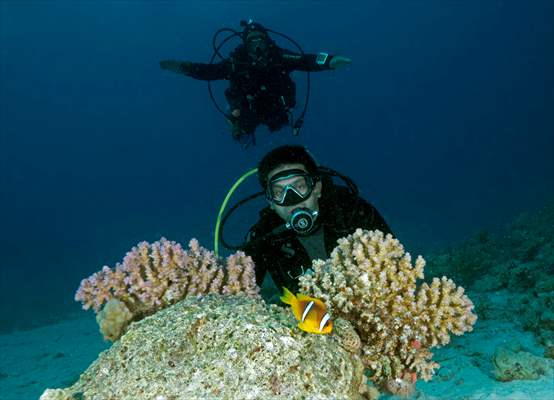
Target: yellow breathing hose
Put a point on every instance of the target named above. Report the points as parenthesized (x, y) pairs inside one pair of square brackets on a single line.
[(224, 204)]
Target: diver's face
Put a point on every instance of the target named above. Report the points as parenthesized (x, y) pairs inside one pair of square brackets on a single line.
[(312, 202), (256, 44)]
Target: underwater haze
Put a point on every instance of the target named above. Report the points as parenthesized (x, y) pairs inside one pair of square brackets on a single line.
[(444, 120)]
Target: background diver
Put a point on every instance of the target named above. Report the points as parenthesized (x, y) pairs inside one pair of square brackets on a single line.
[(260, 90)]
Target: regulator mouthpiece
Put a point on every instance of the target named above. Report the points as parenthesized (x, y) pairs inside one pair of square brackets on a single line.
[(302, 220)]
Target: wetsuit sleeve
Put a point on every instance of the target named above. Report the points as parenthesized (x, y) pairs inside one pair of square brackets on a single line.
[(255, 248), (210, 72), (201, 71), (307, 62)]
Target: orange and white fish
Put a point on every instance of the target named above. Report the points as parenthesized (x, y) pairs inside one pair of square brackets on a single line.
[(310, 312)]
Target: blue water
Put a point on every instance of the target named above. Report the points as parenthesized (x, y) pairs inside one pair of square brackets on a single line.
[(444, 120)]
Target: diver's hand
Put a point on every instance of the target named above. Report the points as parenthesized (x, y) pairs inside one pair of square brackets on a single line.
[(339, 62), (179, 67)]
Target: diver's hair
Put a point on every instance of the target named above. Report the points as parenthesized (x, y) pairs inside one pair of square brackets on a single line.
[(287, 154)]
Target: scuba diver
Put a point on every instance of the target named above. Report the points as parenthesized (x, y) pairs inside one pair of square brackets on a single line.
[(306, 214), (260, 90)]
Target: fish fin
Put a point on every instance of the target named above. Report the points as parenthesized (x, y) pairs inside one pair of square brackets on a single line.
[(303, 297), (320, 304), (288, 297)]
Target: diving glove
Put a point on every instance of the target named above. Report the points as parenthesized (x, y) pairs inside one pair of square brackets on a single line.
[(179, 67), (339, 62)]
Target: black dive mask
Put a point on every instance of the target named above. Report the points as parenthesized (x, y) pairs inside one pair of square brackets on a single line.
[(290, 187), (257, 45), (302, 220)]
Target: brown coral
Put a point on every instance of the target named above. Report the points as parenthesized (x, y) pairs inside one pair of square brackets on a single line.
[(370, 281), (153, 276)]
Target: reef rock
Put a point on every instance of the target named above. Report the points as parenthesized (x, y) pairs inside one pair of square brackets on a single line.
[(511, 362), (221, 347)]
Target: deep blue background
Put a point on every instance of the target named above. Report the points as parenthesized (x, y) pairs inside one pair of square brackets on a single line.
[(445, 120)]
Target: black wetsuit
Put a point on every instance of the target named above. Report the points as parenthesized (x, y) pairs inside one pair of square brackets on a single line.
[(283, 255), (263, 93)]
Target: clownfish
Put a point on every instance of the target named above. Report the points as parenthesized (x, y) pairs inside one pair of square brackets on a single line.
[(310, 312)]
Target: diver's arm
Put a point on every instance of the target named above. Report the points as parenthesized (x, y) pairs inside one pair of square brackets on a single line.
[(314, 62), (254, 248), (259, 263), (201, 71), (351, 212)]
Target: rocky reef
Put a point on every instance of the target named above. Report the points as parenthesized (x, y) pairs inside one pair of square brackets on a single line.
[(223, 347), (510, 273)]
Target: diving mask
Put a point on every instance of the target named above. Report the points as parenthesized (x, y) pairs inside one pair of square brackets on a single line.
[(256, 43), (290, 187)]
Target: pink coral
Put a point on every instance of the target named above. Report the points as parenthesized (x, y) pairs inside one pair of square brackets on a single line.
[(153, 276)]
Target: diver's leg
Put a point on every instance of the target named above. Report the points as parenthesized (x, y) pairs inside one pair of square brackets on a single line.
[(244, 128), (235, 101), (277, 119), (245, 124)]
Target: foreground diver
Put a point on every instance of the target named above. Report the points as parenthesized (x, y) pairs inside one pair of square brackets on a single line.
[(307, 213), (261, 90)]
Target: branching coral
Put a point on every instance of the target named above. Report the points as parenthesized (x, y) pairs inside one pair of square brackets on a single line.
[(153, 276), (370, 281)]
